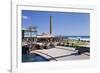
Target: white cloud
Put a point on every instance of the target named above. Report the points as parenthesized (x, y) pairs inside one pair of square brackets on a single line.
[(25, 17)]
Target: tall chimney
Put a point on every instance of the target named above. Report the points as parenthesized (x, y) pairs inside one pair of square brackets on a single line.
[(50, 24)]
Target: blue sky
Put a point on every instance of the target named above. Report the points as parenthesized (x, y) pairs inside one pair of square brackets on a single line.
[(64, 23)]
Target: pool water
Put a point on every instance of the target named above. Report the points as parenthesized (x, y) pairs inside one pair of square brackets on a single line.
[(33, 58)]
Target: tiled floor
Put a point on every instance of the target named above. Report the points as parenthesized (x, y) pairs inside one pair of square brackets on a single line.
[(61, 54)]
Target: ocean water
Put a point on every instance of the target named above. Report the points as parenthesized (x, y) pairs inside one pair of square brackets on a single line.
[(87, 38)]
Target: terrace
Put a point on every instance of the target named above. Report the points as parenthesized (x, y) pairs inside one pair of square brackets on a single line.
[(49, 52)]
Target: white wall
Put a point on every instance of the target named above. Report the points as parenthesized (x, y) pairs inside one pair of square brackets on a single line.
[(5, 38)]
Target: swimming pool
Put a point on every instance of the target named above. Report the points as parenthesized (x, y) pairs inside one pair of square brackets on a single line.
[(33, 58)]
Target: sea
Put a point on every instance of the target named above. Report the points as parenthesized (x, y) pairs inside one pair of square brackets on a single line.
[(84, 38)]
